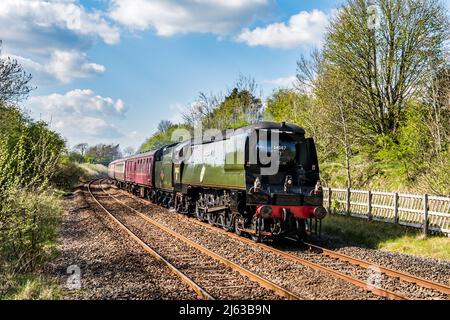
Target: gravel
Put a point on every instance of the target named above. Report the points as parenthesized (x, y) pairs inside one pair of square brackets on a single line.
[(427, 268), (432, 269), (302, 280), (217, 279), (111, 265)]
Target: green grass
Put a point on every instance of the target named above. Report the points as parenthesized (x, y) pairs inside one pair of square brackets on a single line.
[(92, 171), (32, 287), (385, 236), (434, 247)]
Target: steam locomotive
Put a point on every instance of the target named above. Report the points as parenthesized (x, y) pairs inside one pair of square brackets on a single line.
[(261, 180)]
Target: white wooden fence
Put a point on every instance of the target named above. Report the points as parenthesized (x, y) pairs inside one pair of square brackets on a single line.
[(430, 213)]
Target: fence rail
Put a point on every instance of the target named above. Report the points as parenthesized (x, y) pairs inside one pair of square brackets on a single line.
[(430, 213)]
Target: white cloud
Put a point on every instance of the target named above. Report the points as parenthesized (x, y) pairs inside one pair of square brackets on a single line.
[(283, 82), (304, 28), (66, 65), (29, 18), (86, 129), (51, 36), (63, 66), (80, 114), (170, 17)]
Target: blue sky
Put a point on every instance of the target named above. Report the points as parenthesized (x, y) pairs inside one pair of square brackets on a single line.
[(110, 70)]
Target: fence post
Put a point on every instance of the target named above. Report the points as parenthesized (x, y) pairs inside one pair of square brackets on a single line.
[(329, 200), (369, 205), (348, 202), (425, 214), (396, 208)]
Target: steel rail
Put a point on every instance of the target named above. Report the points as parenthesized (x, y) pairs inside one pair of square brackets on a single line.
[(198, 290), (315, 266), (388, 271), (243, 271), (359, 283)]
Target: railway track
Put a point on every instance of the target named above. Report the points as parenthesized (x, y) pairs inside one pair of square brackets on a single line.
[(206, 272), (336, 274), (387, 271), (189, 282), (344, 258), (394, 274)]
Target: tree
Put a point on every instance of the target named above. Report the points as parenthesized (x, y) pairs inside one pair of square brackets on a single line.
[(388, 64), (160, 139), (288, 105), (14, 81), (336, 118), (81, 147), (103, 153), (240, 106), (307, 70), (29, 152), (164, 125), (201, 108), (128, 151)]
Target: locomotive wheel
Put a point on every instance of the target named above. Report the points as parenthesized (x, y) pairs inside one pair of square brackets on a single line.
[(256, 238), (199, 214), (212, 218), (256, 225), (222, 221), (236, 226)]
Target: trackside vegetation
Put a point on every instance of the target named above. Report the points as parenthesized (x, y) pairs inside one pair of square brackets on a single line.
[(388, 237), (35, 171), (30, 206)]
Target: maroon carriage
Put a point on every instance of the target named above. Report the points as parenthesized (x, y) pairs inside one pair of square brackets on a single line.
[(139, 169)]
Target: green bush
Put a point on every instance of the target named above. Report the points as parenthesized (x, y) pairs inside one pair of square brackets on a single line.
[(28, 230), (68, 174)]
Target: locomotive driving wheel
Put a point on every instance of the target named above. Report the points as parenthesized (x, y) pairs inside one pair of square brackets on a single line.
[(224, 220), (257, 226), (199, 213), (238, 224)]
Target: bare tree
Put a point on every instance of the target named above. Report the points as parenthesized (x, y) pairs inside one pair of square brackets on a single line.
[(336, 119), (14, 81), (128, 151), (201, 108), (81, 148), (307, 71), (164, 125)]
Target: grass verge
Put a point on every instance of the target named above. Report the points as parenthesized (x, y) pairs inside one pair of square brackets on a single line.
[(92, 171), (32, 287), (384, 236)]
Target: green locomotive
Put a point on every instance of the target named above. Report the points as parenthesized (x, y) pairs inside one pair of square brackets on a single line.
[(261, 180)]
